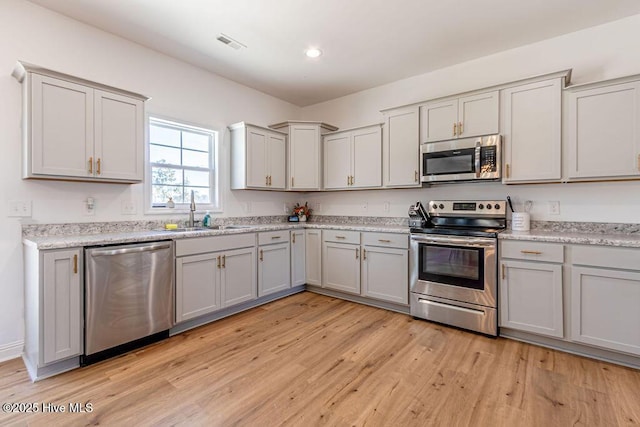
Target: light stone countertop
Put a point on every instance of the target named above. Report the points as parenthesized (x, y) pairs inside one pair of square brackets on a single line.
[(77, 240), (629, 240)]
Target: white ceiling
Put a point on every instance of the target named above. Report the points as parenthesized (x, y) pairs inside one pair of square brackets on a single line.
[(366, 43)]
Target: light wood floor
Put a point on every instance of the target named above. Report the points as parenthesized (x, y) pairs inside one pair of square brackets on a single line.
[(313, 360)]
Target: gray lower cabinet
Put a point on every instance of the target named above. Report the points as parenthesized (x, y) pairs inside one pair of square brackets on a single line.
[(313, 256), (531, 287), (605, 297), (53, 310), (274, 262), (373, 265), (298, 257), (213, 273)]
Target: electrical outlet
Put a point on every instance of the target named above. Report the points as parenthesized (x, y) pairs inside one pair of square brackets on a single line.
[(89, 206), (19, 208), (554, 208), (128, 207), (387, 206), (285, 208)]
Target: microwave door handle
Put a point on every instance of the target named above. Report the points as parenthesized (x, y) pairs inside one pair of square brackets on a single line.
[(477, 165)]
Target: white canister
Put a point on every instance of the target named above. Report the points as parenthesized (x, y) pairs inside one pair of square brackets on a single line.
[(520, 221)]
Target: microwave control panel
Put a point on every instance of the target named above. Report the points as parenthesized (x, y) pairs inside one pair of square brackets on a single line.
[(488, 161)]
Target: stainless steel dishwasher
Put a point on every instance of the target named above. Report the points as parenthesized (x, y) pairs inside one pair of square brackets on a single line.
[(129, 297)]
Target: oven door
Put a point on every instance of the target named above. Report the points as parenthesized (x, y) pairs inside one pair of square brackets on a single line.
[(454, 267)]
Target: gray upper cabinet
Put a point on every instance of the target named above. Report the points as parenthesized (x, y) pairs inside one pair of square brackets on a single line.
[(401, 148), (79, 130), (603, 130), (531, 128)]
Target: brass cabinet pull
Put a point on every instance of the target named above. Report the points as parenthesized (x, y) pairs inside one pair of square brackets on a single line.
[(503, 274), (353, 179), (364, 254), (276, 237), (340, 237), (454, 129), (98, 168), (269, 180), (460, 128), (507, 169), (357, 253), (416, 175), (218, 261), (384, 240), (293, 237), (75, 264), (531, 252), (292, 181), (91, 165), (348, 180), (266, 180), (224, 261), (261, 255)]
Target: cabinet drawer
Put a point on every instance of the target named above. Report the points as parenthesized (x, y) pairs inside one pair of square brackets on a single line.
[(599, 256), (386, 240), (532, 251), (341, 236), (270, 237), (201, 245)]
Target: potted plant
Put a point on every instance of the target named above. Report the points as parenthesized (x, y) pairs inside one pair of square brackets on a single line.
[(303, 212)]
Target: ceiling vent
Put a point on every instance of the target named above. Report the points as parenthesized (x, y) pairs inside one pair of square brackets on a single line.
[(229, 41)]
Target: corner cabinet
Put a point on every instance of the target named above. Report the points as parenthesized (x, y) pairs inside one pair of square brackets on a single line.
[(603, 130), (304, 153), (401, 148), (531, 129), (353, 159), (74, 129), (464, 117), (53, 310), (258, 158)]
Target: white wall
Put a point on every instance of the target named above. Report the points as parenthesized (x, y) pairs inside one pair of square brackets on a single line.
[(598, 53), (177, 90)]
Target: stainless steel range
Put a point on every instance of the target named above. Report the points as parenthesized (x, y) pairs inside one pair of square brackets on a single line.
[(453, 264)]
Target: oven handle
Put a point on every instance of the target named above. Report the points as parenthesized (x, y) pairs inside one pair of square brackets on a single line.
[(452, 307), (457, 241)]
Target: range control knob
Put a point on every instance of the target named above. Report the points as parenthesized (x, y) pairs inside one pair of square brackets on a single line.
[(434, 206), (497, 206), (441, 206), (480, 206), (488, 206)]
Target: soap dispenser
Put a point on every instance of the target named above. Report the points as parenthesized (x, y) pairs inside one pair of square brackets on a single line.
[(206, 221)]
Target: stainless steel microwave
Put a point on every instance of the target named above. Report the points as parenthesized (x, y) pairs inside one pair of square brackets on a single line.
[(468, 159)]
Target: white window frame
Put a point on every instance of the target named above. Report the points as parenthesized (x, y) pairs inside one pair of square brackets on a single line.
[(215, 192)]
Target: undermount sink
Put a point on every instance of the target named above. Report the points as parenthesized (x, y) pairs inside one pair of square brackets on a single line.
[(183, 229), (222, 227)]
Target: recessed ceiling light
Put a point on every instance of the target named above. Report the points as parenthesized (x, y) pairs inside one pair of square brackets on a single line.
[(313, 53)]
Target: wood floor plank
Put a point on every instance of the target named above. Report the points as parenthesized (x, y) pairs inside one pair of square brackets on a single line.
[(314, 360)]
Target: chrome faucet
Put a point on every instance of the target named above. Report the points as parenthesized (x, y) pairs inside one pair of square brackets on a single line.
[(192, 209)]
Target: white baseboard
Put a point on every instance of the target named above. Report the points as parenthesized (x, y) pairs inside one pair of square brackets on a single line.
[(11, 350)]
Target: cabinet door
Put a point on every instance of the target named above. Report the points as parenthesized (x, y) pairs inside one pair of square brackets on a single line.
[(341, 267), (401, 148), (119, 123), (62, 305), (273, 268), (238, 276), (313, 257), (604, 308), (304, 157), (438, 121), (367, 157), (385, 274), (478, 114), (531, 297), (603, 132), (197, 285), (298, 257), (277, 158), (61, 128), (337, 161), (257, 151), (531, 131)]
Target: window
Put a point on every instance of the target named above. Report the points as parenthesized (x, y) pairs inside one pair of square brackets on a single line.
[(182, 159)]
